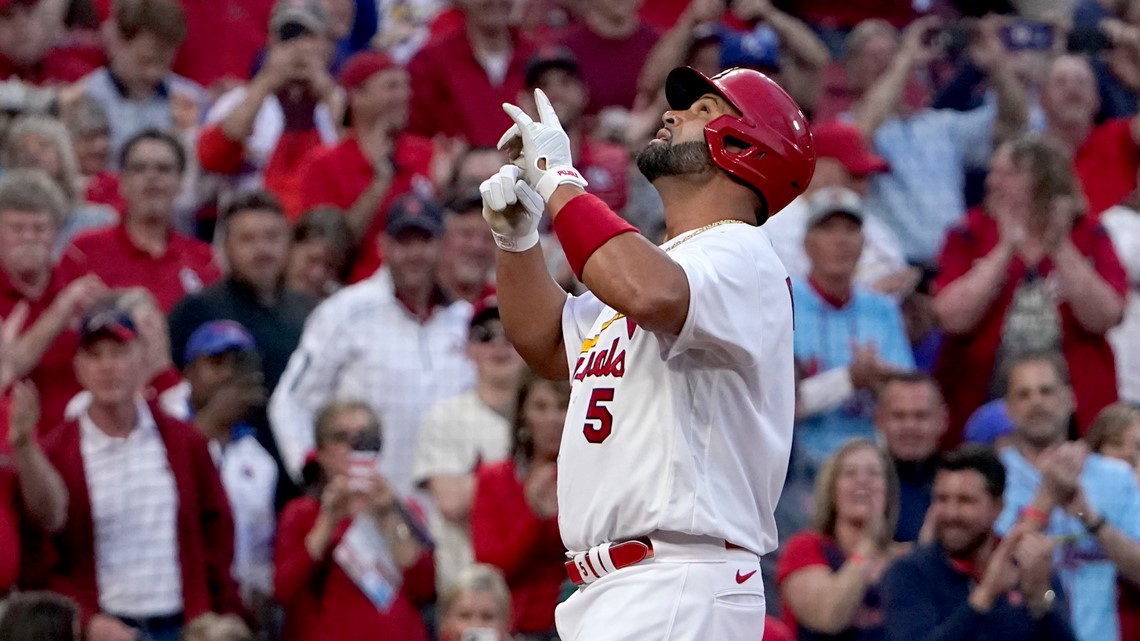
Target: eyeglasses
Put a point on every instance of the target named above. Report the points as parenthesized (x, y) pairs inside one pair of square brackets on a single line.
[(484, 334)]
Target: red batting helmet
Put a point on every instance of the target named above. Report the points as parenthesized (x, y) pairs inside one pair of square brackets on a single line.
[(777, 158)]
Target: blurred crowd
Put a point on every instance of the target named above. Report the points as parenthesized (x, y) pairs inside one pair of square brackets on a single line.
[(255, 385)]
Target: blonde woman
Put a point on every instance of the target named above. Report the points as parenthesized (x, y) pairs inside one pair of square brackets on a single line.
[(828, 576)]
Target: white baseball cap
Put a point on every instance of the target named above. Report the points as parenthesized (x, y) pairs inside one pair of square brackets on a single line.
[(834, 200)]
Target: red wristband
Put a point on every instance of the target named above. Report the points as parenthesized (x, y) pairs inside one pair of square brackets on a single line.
[(583, 225)]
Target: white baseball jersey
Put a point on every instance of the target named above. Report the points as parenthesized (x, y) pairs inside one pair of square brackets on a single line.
[(689, 433)]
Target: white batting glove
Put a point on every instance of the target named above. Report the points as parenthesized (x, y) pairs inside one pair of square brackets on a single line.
[(512, 209), (545, 147)]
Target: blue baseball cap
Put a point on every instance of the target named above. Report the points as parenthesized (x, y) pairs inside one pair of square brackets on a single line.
[(218, 337), (107, 322), (988, 423)]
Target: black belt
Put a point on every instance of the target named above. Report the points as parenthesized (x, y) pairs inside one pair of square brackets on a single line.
[(151, 623)]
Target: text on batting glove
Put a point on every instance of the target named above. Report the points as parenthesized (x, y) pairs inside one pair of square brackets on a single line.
[(512, 209), (545, 157)]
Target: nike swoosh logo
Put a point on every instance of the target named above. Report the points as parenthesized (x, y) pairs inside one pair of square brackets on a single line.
[(741, 578)]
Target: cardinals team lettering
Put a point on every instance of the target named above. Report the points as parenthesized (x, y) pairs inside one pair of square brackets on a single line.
[(609, 361)]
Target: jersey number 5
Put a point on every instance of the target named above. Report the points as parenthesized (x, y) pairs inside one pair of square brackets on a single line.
[(599, 420)]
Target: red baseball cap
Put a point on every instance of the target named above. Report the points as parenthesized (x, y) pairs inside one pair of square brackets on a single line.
[(845, 143), (361, 67)]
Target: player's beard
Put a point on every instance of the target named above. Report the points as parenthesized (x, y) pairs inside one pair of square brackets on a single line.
[(678, 159)]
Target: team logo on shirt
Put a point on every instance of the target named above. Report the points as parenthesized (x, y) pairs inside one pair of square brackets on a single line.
[(609, 361)]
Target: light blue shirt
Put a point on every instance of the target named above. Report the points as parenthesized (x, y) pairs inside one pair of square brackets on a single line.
[(823, 339), (922, 194), (1088, 577)]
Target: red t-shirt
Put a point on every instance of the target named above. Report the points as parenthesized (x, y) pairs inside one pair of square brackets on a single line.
[(338, 175), (1106, 164), (847, 14), (452, 95), (222, 39), (506, 533), (810, 549), (9, 509), (103, 189), (54, 376), (610, 84), (322, 603), (62, 65), (966, 363), (186, 267)]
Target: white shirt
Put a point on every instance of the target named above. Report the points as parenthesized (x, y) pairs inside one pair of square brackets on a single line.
[(1123, 227), (249, 475), (364, 344), (134, 509), (882, 254), (457, 435), (699, 425)]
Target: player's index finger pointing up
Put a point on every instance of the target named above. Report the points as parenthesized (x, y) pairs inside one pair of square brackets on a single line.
[(517, 115)]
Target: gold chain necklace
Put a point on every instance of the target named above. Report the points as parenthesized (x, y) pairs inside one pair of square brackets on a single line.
[(701, 230)]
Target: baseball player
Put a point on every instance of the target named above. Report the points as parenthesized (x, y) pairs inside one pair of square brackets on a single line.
[(679, 428)]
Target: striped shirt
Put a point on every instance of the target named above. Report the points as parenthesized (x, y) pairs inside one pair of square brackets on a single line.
[(134, 508)]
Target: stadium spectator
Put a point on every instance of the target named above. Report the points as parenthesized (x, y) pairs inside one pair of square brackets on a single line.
[(604, 32), (1089, 504), (463, 432), (467, 251), (849, 338), (221, 46), (222, 385), (319, 253), (1106, 156), (472, 166), (1027, 272), (829, 576), (375, 163), (923, 192), (843, 159), (514, 514), (1123, 226), (136, 88), (966, 583), (460, 81), (392, 340), (256, 134), (90, 131), (144, 250), (1115, 434), (605, 165), (477, 600), (56, 293), (323, 601), (148, 541), (911, 418), (40, 142), (29, 32)]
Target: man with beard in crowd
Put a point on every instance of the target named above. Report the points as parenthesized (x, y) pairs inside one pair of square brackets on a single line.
[(967, 584), (680, 356)]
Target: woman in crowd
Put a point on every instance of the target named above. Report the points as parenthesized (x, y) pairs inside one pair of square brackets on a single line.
[(828, 576), (1026, 272), (476, 607), (320, 250), (314, 578), (1115, 433), (514, 524), (1123, 226), (43, 143)]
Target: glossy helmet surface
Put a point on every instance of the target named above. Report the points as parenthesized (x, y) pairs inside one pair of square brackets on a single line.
[(776, 156)]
